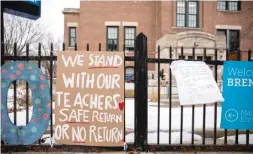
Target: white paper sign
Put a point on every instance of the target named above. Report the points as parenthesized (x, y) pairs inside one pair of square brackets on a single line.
[(195, 83)]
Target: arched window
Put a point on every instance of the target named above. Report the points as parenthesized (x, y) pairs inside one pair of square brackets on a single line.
[(129, 74)]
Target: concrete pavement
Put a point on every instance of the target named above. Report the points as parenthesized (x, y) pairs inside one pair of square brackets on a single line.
[(133, 153)]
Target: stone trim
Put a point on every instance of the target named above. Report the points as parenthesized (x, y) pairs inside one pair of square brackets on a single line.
[(112, 23), (231, 27), (72, 24), (126, 23), (71, 10), (191, 28)]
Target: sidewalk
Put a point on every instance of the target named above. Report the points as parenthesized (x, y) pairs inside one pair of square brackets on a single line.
[(133, 153)]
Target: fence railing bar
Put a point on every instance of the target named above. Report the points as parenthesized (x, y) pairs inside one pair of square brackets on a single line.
[(2, 63), (226, 131), (15, 90), (128, 58), (247, 137), (238, 53), (99, 47), (215, 105), (63, 46), (182, 108), (27, 90), (29, 58), (227, 55), (2, 52), (170, 98), (135, 86), (193, 107), (87, 47), (75, 47), (124, 95), (39, 55), (204, 112), (247, 131), (112, 46), (158, 108), (39, 65), (249, 55), (190, 47), (51, 91)]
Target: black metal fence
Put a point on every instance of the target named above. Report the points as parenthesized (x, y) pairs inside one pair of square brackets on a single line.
[(141, 108)]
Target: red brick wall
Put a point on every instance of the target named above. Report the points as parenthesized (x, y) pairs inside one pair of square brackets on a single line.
[(70, 18), (155, 19), (241, 18), (94, 14)]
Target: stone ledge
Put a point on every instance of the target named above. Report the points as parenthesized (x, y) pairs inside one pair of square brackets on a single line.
[(71, 10)]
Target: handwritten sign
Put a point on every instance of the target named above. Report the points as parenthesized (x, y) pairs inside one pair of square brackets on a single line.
[(195, 83), (89, 108), (237, 109)]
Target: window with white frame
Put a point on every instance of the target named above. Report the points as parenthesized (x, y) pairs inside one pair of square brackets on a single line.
[(129, 38), (231, 5), (129, 74), (112, 38), (232, 38), (72, 36), (187, 14)]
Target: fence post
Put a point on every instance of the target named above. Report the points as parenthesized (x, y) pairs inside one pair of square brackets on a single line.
[(141, 92)]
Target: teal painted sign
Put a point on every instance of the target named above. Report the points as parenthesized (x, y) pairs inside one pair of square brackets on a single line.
[(237, 109)]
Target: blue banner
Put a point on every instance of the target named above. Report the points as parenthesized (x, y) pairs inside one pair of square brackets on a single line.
[(237, 109), (34, 2), (30, 9)]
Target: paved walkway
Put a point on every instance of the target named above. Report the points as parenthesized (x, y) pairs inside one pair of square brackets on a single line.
[(133, 153)]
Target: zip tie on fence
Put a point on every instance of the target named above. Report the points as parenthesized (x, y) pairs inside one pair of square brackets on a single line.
[(125, 146)]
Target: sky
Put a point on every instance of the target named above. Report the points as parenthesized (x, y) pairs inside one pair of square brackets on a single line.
[(52, 16)]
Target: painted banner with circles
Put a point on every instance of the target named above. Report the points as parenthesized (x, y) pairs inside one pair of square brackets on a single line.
[(41, 101)]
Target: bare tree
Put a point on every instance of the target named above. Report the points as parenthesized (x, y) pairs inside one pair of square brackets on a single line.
[(21, 31), (248, 32), (50, 44)]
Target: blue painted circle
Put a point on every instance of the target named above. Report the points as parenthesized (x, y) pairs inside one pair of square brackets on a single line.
[(24, 135)]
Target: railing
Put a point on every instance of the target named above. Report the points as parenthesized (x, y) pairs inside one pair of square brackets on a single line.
[(147, 135)]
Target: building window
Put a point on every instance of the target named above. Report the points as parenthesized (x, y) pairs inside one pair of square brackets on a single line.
[(233, 5), (72, 36), (232, 38), (112, 39), (200, 58), (129, 38), (180, 57), (187, 14), (208, 58), (129, 74), (189, 57)]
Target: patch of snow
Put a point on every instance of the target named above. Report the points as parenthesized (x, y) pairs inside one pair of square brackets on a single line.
[(129, 85), (241, 138), (164, 138), (175, 117), (21, 117), (10, 98), (46, 138), (164, 122)]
